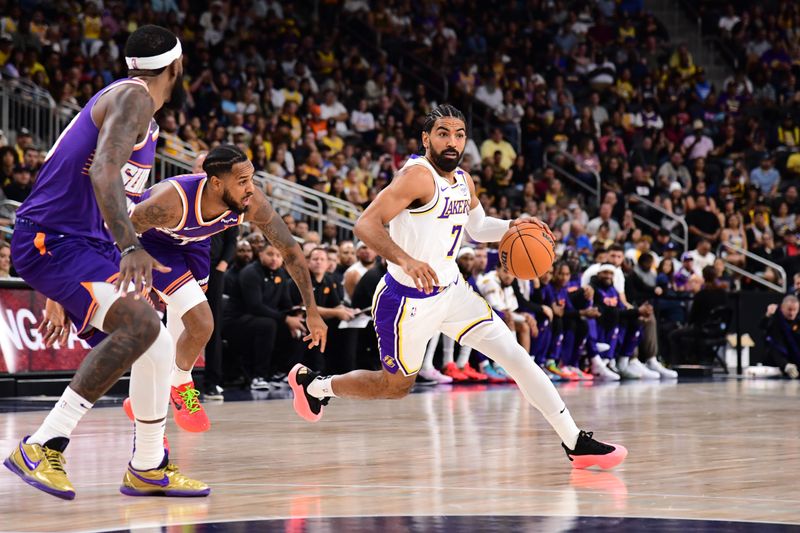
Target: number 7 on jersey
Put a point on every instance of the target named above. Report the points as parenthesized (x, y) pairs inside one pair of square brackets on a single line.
[(457, 234)]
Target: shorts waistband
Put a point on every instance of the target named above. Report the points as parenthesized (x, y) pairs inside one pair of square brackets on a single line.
[(29, 225), (411, 292)]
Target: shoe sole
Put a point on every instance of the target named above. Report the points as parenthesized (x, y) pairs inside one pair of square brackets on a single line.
[(300, 403), (606, 462), (212, 398), (64, 495), (128, 491)]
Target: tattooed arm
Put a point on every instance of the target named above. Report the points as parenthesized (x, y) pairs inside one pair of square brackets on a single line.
[(121, 118), (263, 216), (162, 209)]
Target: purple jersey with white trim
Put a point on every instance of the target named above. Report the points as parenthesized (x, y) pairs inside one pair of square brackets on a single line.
[(552, 294), (192, 228), (63, 199)]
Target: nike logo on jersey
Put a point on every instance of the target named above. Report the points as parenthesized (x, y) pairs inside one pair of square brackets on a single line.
[(443, 188)]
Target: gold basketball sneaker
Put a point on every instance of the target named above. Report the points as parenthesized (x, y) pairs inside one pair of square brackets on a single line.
[(42, 466), (165, 480)]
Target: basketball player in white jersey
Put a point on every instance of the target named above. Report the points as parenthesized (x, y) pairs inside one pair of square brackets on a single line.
[(428, 206)]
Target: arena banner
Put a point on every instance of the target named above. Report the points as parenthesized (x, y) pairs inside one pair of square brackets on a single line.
[(21, 347)]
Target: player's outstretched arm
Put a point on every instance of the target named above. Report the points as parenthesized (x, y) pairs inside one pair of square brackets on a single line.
[(162, 209), (409, 185), (267, 220), (120, 120)]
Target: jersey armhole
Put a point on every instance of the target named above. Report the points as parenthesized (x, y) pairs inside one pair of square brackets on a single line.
[(140, 144), (433, 202), (184, 204)]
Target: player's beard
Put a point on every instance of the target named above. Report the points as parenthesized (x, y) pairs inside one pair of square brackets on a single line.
[(232, 204), (177, 96), (446, 164)]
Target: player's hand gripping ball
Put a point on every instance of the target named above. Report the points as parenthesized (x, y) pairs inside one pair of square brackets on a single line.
[(527, 250)]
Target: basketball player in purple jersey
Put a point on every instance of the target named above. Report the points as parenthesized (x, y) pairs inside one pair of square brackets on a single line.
[(75, 243), (177, 219), (428, 205)]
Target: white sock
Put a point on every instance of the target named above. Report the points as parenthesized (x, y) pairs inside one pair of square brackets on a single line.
[(180, 376), (448, 346), (148, 445), (463, 356), (622, 362), (597, 363), (501, 346), (63, 418), (427, 362), (321, 388)]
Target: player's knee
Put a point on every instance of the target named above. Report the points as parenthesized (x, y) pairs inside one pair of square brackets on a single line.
[(397, 389), (199, 323), (136, 319), (147, 327)]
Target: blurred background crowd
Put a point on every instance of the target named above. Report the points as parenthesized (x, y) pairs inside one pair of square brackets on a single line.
[(583, 113)]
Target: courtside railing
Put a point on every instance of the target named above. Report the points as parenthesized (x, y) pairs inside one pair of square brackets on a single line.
[(593, 190), (596, 192), (783, 280), (677, 221), (25, 105)]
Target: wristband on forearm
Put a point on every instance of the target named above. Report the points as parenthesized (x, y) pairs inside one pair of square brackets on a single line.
[(130, 249)]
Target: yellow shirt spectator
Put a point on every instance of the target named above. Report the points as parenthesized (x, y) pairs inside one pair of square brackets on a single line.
[(624, 90), (495, 143), (38, 67), (91, 27), (336, 144)]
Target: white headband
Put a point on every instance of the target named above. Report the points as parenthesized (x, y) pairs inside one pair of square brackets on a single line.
[(155, 62)]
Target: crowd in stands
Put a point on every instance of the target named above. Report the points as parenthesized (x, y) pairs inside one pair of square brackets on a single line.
[(594, 87)]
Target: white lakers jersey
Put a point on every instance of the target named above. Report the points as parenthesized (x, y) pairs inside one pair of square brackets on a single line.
[(433, 233)]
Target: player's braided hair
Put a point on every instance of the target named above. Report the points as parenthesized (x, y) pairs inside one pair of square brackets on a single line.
[(442, 111), (148, 41), (220, 159)]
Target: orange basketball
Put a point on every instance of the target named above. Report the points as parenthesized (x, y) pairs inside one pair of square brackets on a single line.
[(527, 250)]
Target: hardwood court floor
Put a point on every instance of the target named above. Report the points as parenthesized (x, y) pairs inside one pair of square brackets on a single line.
[(724, 450)]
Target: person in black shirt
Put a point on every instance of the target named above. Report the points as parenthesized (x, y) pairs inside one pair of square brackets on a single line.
[(639, 184), (223, 248), (255, 313), (711, 296), (366, 356), (347, 256), (703, 224), (783, 335), (21, 184), (330, 305), (243, 257)]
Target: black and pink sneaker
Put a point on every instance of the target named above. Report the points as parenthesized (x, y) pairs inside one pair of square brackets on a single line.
[(307, 406), (590, 452)]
